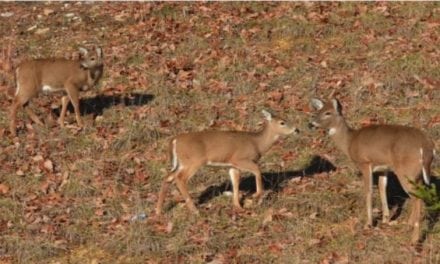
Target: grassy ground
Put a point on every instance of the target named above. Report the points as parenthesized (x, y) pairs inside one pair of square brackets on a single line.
[(68, 196)]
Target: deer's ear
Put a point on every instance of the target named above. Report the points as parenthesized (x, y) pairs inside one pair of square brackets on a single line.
[(83, 52), (267, 115), (99, 52), (337, 106), (316, 104)]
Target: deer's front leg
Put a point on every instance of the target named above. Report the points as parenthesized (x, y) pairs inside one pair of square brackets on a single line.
[(74, 99), (250, 166), (368, 185), (235, 179), (64, 103), (383, 180)]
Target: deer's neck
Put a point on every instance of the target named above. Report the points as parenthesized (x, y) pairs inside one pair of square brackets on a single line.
[(93, 75), (342, 135), (90, 80), (265, 138)]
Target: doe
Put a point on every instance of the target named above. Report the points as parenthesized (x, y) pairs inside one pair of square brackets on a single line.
[(407, 151)]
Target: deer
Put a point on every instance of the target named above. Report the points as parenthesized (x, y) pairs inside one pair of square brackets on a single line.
[(55, 75), (237, 150), (405, 150)]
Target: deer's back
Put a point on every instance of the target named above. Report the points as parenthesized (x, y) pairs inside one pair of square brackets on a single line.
[(387, 144), (217, 146), (52, 72)]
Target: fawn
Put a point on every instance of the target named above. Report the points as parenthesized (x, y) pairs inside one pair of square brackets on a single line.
[(52, 75), (236, 150)]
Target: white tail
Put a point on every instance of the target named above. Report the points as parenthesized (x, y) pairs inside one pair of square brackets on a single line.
[(52, 75), (237, 150), (426, 176), (407, 151)]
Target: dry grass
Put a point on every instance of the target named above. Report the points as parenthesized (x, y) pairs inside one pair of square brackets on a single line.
[(214, 64)]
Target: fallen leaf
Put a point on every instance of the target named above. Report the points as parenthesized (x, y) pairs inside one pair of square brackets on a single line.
[(48, 165), (48, 11), (276, 248), (45, 186), (42, 31), (4, 189), (37, 158), (314, 242)]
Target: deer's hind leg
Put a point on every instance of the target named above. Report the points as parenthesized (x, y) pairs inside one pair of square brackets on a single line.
[(21, 99), (405, 176), (182, 177), (163, 191)]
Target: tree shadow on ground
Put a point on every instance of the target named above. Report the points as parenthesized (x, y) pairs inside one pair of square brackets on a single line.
[(96, 105), (273, 181)]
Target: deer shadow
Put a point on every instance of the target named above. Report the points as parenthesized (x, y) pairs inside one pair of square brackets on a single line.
[(96, 105), (273, 181)]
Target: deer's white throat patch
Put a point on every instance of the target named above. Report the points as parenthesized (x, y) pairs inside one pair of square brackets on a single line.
[(332, 131)]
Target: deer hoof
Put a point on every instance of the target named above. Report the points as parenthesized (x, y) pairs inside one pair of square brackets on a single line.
[(158, 212), (194, 210), (368, 226), (238, 209), (60, 123)]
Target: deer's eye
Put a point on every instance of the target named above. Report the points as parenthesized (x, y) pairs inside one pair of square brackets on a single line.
[(92, 59), (282, 123), (327, 113)]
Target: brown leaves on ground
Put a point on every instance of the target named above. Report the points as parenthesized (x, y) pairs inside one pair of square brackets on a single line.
[(207, 65)]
